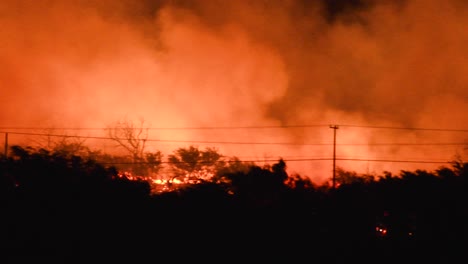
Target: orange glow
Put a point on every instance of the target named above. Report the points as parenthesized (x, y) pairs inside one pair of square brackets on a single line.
[(381, 231), (157, 185), (84, 64)]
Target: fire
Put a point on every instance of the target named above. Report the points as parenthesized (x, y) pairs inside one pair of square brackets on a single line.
[(166, 185), (381, 231), (184, 65), (159, 181)]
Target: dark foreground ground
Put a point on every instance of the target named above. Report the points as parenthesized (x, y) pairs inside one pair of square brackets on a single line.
[(134, 233), (61, 209)]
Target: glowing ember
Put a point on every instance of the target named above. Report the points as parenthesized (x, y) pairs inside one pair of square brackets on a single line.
[(164, 185), (381, 231)]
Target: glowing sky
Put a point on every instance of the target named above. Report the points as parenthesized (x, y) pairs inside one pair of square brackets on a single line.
[(246, 63)]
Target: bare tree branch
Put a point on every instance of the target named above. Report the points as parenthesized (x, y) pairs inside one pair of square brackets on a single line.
[(129, 136)]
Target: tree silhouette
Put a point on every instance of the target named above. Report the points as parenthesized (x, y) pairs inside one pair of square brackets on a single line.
[(56, 203), (132, 137), (194, 165), (259, 186), (344, 177)]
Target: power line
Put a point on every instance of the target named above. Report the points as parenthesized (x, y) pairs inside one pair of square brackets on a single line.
[(55, 135), (265, 160), (409, 128), (299, 160), (407, 144), (396, 161), (244, 143), (243, 127), (51, 128), (168, 128), (220, 161)]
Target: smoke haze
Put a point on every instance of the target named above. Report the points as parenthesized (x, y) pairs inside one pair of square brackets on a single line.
[(246, 63)]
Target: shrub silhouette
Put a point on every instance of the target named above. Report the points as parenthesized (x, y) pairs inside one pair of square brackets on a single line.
[(59, 205)]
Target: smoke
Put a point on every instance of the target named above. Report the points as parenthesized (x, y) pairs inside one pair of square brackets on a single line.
[(246, 63)]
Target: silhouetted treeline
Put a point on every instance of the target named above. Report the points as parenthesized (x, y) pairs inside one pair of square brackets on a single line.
[(72, 209)]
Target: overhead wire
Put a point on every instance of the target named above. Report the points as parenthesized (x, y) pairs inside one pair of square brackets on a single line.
[(243, 127), (8, 130), (408, 128), (243, 143), (294, 160)]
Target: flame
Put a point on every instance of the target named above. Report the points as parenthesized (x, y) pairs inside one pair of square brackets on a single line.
[(381, 231), (166, 185)]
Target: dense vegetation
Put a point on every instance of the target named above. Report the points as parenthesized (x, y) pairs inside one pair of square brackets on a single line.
[(58, 206)]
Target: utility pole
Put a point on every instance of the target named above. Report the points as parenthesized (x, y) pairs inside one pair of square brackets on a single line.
[(6, 144), (334, 127)]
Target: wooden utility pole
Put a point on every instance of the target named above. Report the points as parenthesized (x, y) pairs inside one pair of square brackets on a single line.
[(6, 144), (334, 127)]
